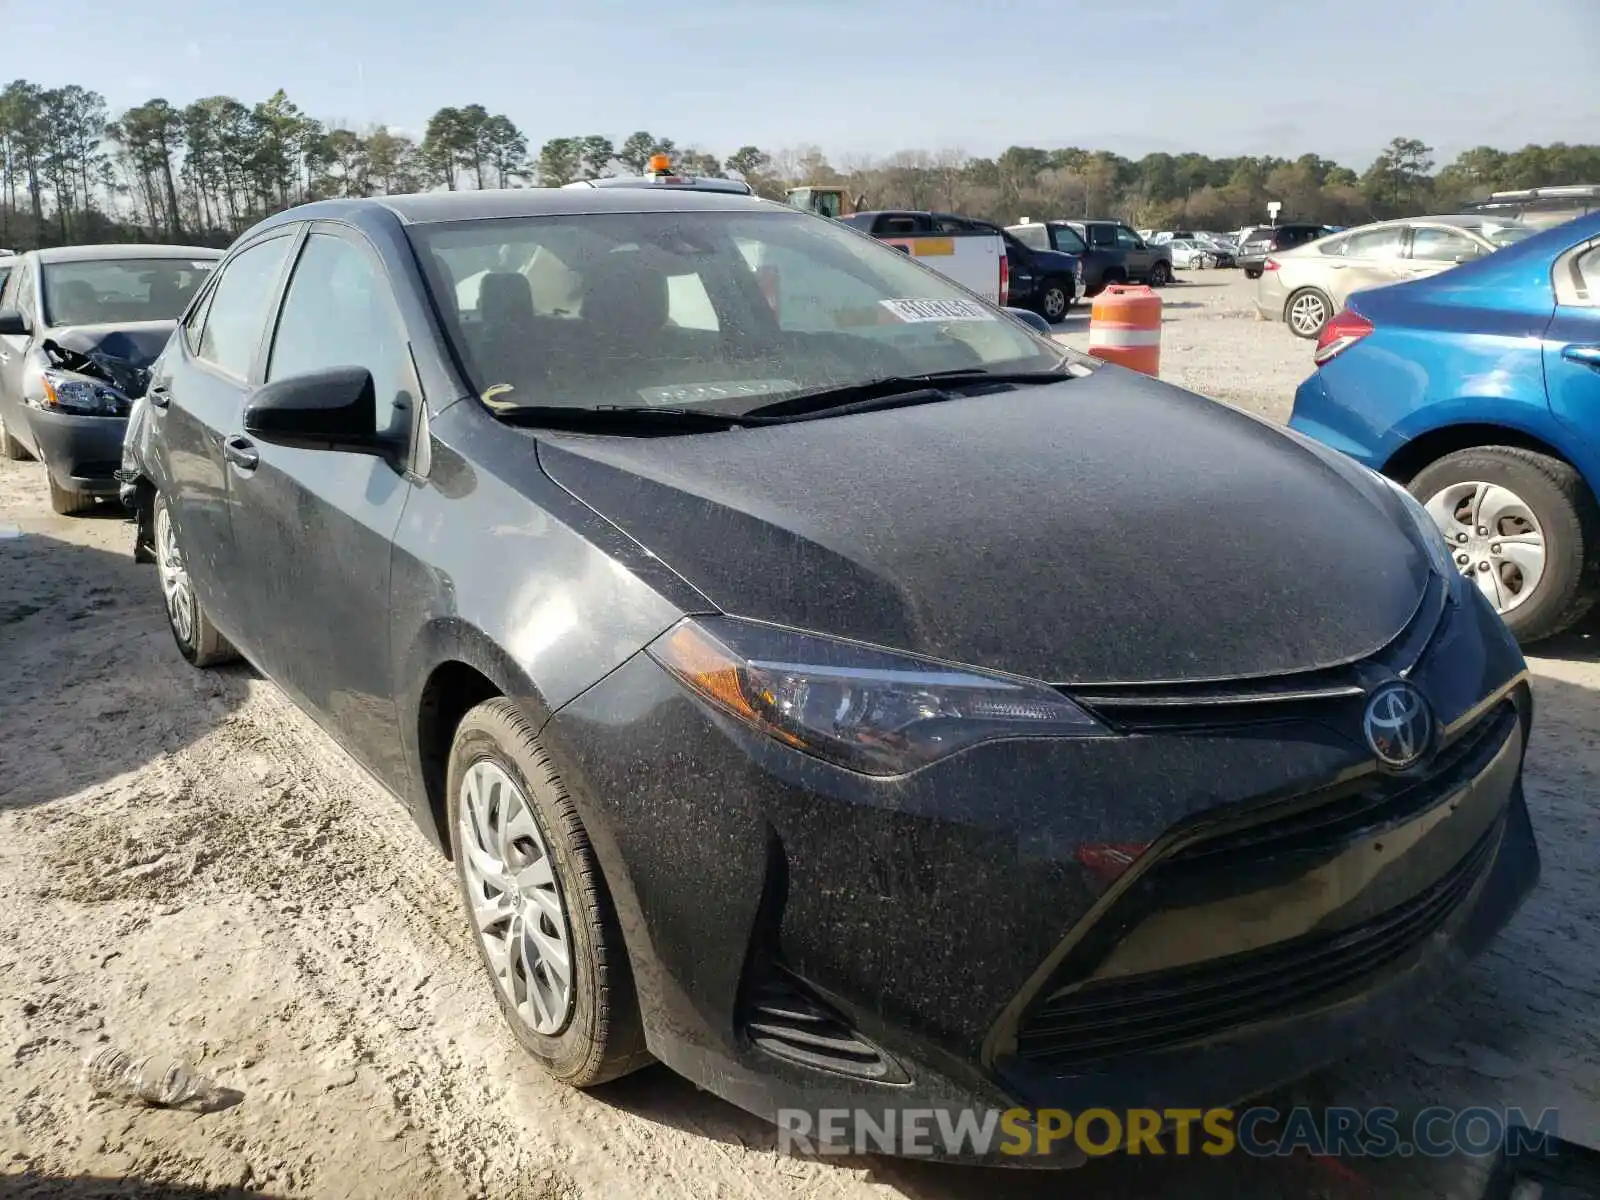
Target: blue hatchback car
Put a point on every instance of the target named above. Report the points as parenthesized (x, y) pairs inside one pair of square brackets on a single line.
[(1479, 389)]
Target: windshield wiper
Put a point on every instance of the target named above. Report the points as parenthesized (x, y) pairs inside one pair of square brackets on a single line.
[(897, 390), (623, 418)]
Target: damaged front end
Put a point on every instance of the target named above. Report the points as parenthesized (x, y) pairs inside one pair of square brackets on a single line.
[(94, 375)]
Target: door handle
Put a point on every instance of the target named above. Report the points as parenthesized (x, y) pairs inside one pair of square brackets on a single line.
[(1588, 356), (4, 357), (241, 452), (159, 396)]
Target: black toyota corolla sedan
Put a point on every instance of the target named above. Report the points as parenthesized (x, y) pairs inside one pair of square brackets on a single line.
[(824, 684)]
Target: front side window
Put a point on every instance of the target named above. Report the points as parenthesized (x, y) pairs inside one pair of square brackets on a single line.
[(111, 291), (1429, 243), (237, 311), (1127, 239), (339, 312), (1033, 236), (731, 310)]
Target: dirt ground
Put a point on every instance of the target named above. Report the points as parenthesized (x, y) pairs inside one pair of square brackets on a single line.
[(188, 865)]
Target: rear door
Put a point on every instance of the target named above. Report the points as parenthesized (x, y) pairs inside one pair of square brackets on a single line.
[(1375, 258), (196, 401), (316, 527), (1572, 343)]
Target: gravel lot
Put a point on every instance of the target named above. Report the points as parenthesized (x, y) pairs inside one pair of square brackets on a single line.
[(187, 864)]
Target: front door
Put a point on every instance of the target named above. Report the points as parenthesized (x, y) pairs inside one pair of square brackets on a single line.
[(19, 292), (315, 527), (195, 402), (1140, 258)]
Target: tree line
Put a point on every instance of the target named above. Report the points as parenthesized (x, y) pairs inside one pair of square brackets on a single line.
[(73, 172)]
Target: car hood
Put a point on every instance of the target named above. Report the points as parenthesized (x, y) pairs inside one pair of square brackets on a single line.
[(119, 354), (1109, 528)]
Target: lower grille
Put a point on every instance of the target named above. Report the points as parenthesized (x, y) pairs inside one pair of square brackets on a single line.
[(1100, 1021), (786, 1022)]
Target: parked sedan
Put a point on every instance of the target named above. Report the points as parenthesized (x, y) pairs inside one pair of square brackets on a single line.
[(79, 328), (1479, 388), (718, 625), (1304, 287), (1191, 255)]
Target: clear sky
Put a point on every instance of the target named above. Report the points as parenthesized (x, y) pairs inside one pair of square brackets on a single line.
[(1224, 77)]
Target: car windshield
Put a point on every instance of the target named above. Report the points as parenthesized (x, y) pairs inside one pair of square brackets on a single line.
[(116, 291), (722, 310)]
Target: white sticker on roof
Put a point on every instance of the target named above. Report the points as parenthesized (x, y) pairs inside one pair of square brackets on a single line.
[(914, 311)]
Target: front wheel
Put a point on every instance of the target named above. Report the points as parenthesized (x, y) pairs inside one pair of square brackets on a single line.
[(1161, 274), (543, 920), (1522, 527), (197, 638), (10, 447)]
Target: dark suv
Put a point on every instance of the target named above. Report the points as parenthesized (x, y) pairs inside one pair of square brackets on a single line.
[(1110, 251), (1268, 239)]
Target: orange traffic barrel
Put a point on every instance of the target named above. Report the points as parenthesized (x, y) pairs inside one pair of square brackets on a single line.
[(1125, 328)]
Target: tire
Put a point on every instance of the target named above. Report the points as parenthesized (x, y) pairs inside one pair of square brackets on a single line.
[(10, 448), (599, 1035), (1161, 274), (1568, 523), (1307, 311), (197, 638), (1252, 272), (1111, 277), (68, 502), (1055, 298)]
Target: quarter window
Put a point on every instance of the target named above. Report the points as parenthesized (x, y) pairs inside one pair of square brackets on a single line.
[(237, 310), (340, 312)]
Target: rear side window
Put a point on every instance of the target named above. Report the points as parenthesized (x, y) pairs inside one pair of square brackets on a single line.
[(1067, 240), (1375, 243), (1102, 235), (1586, 272), (237, 311)]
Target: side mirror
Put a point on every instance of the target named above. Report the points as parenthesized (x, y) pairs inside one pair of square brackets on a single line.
[(334, 409), (14, 323), (1031, 319)]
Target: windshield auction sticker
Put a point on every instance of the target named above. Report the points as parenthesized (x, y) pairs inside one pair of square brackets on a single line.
[(914, 311)]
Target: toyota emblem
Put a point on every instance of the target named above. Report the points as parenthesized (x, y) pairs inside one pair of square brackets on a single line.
[(1398, 724)]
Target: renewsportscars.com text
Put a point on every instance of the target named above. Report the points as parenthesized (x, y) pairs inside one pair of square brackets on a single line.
[(1260, 1132)]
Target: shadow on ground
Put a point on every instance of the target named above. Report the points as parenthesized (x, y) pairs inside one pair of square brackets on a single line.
[(30, 1185), (91, 683)]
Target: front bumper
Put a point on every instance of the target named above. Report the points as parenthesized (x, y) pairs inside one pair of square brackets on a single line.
[(935, 932), (81, 453)]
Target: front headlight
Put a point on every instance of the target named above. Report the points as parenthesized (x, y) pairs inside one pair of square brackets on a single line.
[(82, 396), (874, 711), (1427, 530)]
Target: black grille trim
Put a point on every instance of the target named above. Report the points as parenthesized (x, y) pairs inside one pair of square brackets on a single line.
[(1086, 1026)]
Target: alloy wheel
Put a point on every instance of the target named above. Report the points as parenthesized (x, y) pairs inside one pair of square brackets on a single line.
[(1055, 304), (1308, 314), (174, 575), (517, 906), (1495, 539)]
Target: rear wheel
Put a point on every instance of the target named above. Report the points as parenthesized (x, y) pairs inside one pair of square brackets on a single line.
[(10, 448), (1252, 272), (197, 638), (68, 501), (1055, 297), (1306, 312), (1161, 274), (544, 923), (1522, 527)]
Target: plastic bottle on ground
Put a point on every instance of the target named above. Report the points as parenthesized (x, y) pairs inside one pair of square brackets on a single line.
[(156, 1080)]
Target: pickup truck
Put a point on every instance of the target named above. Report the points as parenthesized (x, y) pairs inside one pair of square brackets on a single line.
[(1046, 282), (1111, 251), (969, 252)]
